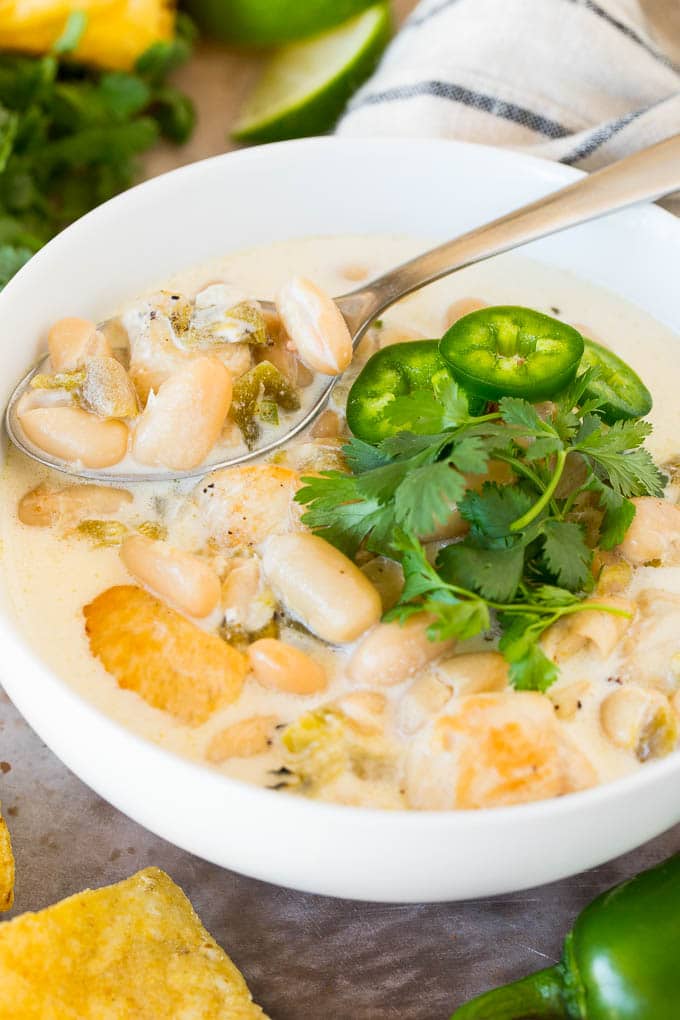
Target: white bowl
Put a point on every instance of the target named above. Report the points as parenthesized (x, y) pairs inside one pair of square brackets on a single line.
[(314, 187)]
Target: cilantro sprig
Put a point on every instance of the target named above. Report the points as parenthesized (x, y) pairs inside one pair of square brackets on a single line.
[(525, 560)]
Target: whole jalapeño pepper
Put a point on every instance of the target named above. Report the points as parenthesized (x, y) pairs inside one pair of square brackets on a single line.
[(620, 961), (509, 351)]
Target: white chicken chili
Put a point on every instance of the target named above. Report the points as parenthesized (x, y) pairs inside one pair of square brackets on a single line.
[(260, 624)]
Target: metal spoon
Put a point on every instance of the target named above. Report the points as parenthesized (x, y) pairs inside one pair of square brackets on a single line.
[(645, 176)]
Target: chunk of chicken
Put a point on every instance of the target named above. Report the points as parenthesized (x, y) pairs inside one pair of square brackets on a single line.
[(590, 630), (155, 353), (494, 750), (247, 602), (652, 643), (654, 535), (426, 696), (241, 506)]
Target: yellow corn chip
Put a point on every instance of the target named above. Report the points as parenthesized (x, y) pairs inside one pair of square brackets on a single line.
[(131, 951), (6, 868), (154, 650)]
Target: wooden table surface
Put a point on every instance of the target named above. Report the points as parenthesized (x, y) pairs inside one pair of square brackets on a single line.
[(303, 956)]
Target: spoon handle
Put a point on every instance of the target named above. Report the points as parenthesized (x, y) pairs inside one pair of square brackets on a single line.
[(644, 176)]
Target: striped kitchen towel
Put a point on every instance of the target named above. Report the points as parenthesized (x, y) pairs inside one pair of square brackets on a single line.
[(580, 81)]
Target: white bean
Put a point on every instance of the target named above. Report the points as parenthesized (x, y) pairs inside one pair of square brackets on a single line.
[(243, 739), (589, 630), (178, 576), (72, 341), (474, 672), (320, 586), (182, 422), (366, 709), (639, 720), (315, 326), (284, 667), (42, 506), (74, 436), (391, 651)]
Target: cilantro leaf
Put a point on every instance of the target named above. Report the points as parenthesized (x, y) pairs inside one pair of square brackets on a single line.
[(515, 411), (616, 523), (494, 573), (452, 399), (420, 576), (616, 451), (426, 497), (590, 423), (620, 437), (417, 411), (492, 511), (618, 514), (533, 671), (551, 595), (530, 668), (543, 447), (617, 438), (566, 554), (428, 411), (361, 456), (337, 511), (573, 395), (404, 445), (382, 482), (629, 474), (456, 618), (471, 454)]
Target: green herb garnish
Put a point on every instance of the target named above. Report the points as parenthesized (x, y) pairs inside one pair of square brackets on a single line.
[(527, 557), (70, 137)]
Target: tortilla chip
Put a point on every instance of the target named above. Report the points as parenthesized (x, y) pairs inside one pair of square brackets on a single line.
[(154, 650), (6, 868), (131, 950)]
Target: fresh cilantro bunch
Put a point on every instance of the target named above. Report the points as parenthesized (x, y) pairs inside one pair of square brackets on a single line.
[(526, 559), (70, 137)]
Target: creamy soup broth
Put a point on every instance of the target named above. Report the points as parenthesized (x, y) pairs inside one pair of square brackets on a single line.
[(52, 573)]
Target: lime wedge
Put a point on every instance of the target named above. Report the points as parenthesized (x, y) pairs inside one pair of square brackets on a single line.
[(270, 22), (305, 86)]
